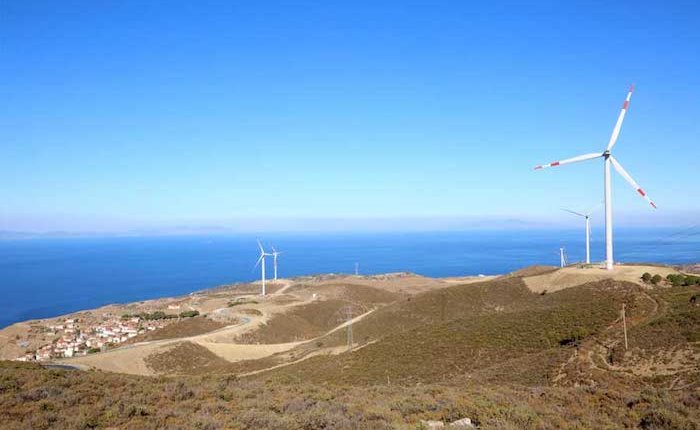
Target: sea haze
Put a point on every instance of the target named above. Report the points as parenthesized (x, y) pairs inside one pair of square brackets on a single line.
[(50, 277)]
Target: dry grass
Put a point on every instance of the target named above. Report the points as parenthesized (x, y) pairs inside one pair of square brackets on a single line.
[(38, 399), (185, 358), (438, 306), (488, 351), (299, 323), (533, 271), (527, 336), (184, 327), (568, 277)]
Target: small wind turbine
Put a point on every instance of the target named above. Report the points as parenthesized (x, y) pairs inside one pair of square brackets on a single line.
[(274, 260), (562, 257), (587, 217), (261, 261), (609, 160)]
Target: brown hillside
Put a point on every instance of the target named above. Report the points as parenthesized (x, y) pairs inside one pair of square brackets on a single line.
[(184, 327), (429, 350)]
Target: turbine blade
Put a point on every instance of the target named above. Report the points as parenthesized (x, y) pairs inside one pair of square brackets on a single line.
[(258, 262), (570, 160), (590, 210), (620, 118), (573, 212), (273, 249), (631, 181), (262, 251)]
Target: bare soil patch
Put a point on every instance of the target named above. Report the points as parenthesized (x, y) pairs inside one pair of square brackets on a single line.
[(568, 277)]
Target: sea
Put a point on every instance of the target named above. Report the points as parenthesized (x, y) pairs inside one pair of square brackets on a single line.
[(42, 278)]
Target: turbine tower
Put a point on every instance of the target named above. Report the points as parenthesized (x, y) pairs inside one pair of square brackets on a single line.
[(587, 217), (562, 257), (274, 260), (261, 261), (608, 161)]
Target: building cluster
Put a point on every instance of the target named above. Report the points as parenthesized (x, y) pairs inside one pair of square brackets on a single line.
[(74, 338)]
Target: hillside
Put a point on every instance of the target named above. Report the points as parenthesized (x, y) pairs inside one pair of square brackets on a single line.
[(539, 348)]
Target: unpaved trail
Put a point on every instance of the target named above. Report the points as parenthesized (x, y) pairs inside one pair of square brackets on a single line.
[(131, 358), (346, 323), (221, 342), (287, 283), (323, 351), (233, 352), (595, 349)]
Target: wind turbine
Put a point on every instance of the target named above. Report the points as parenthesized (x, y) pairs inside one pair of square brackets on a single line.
[(261, 261), (562, 257), (587, 216), (274, 260), (608, 161)]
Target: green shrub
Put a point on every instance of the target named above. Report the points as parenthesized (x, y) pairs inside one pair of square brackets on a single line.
[(656, 279), (646, 277), (189, 314), (692, 280), (676, 280)]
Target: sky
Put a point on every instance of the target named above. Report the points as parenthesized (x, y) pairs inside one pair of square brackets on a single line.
[(142, 115)]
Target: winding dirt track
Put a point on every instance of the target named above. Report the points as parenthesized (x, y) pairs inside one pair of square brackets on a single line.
[(592, 354), (131, 358)]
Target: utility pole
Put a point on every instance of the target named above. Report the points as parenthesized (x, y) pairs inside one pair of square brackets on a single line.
[(624, 323)]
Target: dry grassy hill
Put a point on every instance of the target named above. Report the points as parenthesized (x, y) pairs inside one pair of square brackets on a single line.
[(502, 352), (464, 330)]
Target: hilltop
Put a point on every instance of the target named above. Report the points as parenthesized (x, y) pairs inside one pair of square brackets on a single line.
[(538, 348)]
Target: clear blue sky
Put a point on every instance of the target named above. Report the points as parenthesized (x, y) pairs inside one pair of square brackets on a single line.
[(140, 114)]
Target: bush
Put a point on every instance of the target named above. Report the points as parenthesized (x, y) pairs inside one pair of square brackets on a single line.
[(646, 277), (656, 279), (180, 391), (692, 280), (189, 314), (676, 280), (683, 280)]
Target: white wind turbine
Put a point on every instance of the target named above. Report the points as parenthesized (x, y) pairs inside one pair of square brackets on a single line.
[(274, 260), (587, 216), (609, 160), (261, 261)]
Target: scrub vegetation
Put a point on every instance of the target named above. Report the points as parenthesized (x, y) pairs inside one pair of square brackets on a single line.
[(494, 351)]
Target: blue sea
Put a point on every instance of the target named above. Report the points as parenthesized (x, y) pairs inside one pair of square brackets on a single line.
[(48, 277)]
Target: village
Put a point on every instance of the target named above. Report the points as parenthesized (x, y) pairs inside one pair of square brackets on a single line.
[(73, 337)]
